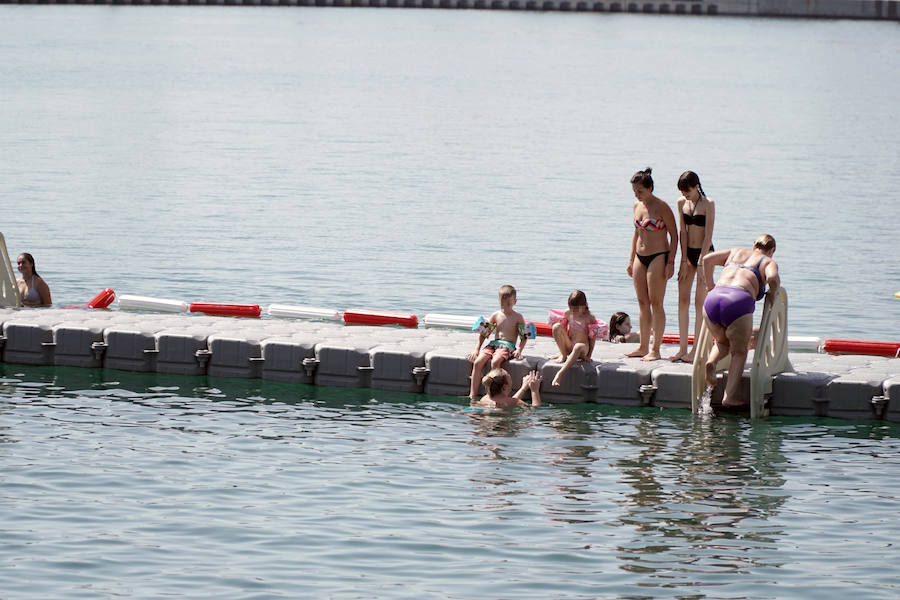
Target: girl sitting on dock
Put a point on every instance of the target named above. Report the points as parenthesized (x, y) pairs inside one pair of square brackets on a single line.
[(575, 332)]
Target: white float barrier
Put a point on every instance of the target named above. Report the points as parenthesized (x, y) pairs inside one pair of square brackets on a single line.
[(457, 321), (127, 302), (804, 343), (303, 312)]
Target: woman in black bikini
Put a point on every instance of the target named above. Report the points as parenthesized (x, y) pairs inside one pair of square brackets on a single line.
[(697, 214), (652, 261)]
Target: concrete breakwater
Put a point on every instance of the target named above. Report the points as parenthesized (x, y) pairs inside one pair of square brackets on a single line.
[(835, 9), (421, 360)]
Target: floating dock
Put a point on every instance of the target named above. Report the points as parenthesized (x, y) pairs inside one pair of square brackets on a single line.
[(831, 9), (429, 360)]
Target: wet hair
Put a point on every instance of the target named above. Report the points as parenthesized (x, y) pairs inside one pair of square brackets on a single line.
[(494, 381), (507, 291), (614, 322), (30, 259), (643, 178), (765, 242), (688, 180), (577, 298)]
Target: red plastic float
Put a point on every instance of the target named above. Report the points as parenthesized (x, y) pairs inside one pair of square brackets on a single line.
[(674, 338), (862, 347), (230, 310), (103, 299), (543, 328), (371, 317)]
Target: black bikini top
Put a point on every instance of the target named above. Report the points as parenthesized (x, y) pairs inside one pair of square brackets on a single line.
[(692, 219), (699, 220)]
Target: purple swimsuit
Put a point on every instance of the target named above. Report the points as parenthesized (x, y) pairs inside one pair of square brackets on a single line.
[(725, 304)]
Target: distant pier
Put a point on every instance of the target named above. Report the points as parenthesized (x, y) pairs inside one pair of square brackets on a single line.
[(826, 9)]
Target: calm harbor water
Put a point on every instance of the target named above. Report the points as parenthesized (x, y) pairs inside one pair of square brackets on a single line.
[(144, 486), (415, 160)]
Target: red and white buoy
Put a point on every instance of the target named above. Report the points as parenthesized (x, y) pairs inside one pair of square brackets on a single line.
[(227, 310), (837, 346), (103, 299), (372, 317)]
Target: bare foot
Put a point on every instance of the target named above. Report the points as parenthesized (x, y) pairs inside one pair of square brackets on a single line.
[(729, 402), (561, 359), (650, 356), (556, 380), (637, 353), (710, 373), (688, 358), (677, 356)]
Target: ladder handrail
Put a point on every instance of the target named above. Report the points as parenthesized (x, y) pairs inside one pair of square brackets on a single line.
[(770, 356), (9, 290)]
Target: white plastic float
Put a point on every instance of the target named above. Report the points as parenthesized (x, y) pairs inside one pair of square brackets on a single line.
[(303, 312), (804, 343), (455, 321), (127, 302)]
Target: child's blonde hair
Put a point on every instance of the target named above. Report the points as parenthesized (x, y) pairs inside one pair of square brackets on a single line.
[(494, 381), (507, 291)]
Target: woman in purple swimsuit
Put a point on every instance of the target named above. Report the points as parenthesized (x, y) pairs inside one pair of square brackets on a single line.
[(652, 261), (729, 305)]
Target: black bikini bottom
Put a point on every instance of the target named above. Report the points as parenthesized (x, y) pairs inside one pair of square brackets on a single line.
[(646, 260), (693, 254)]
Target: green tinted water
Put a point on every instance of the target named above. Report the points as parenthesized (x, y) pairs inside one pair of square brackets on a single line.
[(148, 486)]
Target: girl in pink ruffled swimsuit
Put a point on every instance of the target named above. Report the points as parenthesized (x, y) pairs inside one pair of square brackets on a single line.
[(575, 332)]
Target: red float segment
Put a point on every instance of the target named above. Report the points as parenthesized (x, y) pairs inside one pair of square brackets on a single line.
[(862, 347), (103, 299), (674, 338), (230, 310), (371, 317), (543, 328)]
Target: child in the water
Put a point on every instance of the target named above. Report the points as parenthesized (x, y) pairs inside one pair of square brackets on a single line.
[(498, 384)]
